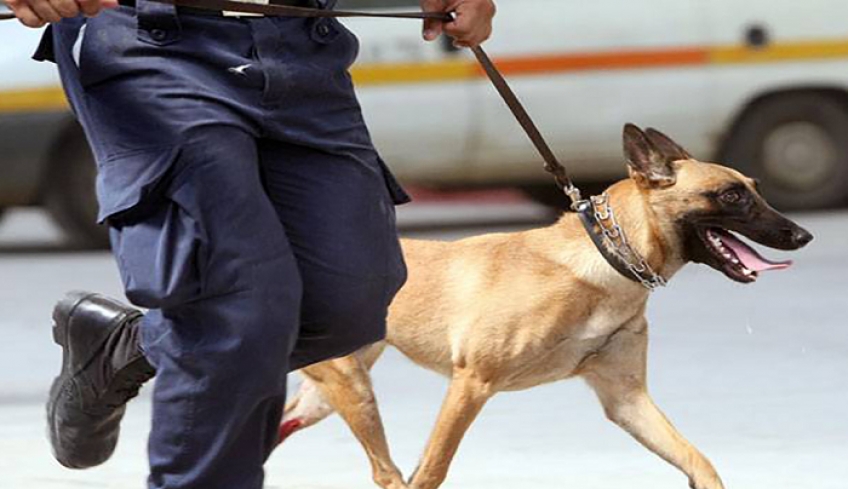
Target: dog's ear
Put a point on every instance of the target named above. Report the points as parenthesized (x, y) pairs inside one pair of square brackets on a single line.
[(648, 167), (666, 146)]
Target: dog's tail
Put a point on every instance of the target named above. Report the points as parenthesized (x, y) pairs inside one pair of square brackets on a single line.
[(309, 406)]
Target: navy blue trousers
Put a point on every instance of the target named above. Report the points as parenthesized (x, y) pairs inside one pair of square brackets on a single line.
[(248, 211)]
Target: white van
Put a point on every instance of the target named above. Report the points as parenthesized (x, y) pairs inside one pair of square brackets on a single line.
[(762, 84)]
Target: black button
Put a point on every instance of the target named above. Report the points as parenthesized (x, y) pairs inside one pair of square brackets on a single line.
[(323, 30), (158, 34)]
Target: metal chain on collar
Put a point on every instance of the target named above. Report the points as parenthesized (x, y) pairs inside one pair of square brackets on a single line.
[(617, 241)]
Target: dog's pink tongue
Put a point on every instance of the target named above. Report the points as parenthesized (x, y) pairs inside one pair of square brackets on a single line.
[(749, 256)]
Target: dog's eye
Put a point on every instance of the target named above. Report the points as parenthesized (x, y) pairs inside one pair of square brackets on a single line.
[(732, 196)]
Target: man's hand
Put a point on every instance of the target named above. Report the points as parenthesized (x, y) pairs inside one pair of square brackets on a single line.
[(473, 23), (37, 13)]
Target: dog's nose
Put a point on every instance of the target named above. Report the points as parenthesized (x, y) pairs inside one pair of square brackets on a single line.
[(801, 237)]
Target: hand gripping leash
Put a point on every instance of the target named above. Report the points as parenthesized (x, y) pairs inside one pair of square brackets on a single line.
[(552, 164)]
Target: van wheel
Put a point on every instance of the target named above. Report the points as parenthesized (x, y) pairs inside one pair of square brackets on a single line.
[(70, 197), (796, 146)]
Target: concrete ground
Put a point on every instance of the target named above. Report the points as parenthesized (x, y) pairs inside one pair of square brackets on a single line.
[(755, 376)]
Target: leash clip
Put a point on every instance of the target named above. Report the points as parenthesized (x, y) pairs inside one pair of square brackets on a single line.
[(573, 193)]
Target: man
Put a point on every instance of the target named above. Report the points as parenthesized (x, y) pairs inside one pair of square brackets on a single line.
[(248, 210)]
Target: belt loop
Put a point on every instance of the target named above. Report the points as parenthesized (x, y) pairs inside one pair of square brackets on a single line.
[(158, 20)]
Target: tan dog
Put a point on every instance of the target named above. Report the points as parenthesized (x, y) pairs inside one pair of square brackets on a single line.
[(505, 312)]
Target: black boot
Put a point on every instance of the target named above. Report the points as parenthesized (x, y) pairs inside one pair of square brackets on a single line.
[(102, 368)]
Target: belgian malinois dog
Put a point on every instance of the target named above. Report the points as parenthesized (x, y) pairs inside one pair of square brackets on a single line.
[(505, 312)]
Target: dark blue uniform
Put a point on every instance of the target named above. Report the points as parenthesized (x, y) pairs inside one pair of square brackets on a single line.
[(248, 210)]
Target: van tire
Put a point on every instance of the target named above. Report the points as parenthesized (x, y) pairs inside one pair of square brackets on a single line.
[(70, 195), (810, 125)]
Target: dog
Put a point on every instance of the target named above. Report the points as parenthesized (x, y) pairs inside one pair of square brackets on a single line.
[(505, 312)]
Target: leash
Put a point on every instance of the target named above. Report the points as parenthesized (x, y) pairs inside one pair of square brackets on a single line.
[(608, 239)]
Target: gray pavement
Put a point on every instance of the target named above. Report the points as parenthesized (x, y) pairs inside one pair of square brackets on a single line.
[(754, 375)]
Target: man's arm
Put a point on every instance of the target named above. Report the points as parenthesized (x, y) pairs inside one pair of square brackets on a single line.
[(473, 23), (37, 13)]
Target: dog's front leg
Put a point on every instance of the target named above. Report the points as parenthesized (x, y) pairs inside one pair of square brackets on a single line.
[(466, 396), (617, 374), (346, 385)]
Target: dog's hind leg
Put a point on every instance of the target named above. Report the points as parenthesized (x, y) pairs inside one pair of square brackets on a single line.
[(617, 374), (308, 406), (466, 397), (344, 385)]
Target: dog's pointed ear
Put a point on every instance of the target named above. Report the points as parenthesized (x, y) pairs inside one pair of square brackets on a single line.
[(648, 167), (666, 146)]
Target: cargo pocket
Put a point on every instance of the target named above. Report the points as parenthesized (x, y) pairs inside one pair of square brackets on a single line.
[(158, 242), (160, 249)]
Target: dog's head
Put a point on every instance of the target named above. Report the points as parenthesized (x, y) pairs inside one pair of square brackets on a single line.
[(703, 204)]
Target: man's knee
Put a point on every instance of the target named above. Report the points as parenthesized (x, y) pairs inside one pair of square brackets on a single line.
[(340, 319)]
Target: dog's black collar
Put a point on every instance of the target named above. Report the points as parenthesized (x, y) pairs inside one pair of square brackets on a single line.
[(599, 235)]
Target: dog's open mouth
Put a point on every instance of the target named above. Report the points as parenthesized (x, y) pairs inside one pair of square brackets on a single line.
[(738, 260)]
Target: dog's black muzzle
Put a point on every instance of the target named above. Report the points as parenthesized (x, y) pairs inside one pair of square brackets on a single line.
[(770, 228)]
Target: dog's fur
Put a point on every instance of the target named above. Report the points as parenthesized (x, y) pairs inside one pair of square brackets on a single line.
[(505, 312)]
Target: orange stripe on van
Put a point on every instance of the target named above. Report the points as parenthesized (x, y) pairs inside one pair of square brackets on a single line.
[(531, 65), (794, 51), (465, 68), (394, 73)]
